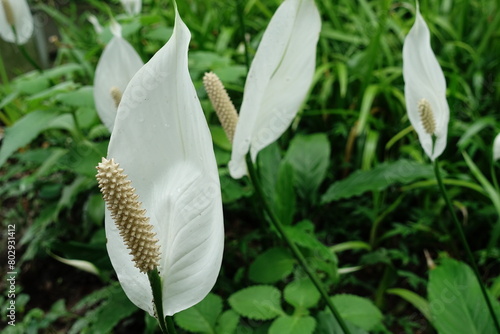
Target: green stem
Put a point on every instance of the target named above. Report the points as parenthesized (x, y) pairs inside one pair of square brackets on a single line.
[(26, 54), (155, 281), (170, 325), (465, 244), (29, 58), (295, 250), (3, 73), (241, 19)]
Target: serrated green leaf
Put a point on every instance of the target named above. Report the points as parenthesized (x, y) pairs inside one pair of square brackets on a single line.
[(358, 311), (309, 156), (260, 302), (271, 266), (293, 325), (377, 179), (327, 324), (201, 317), (227, 322), (456, 303), (302, 294)]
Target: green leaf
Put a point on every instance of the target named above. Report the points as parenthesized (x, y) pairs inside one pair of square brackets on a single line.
[(219, 137), (302, 294), (24, 131), (293, 325), (377, 179), (232, 190), (116, 308), (227, 322), (105, 309), (84, 156), (94, 209), (269, 160), (31, 83), (492, 193), (309, 156), (260, 302), (271, 266), (82, 97), (303, 235), (358, 311), (411, 297), (456, 303), (284, 196), (201, 317), (327, 324), (370, 93)]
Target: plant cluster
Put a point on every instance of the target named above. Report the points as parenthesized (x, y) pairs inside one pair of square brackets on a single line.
[(274, 166)]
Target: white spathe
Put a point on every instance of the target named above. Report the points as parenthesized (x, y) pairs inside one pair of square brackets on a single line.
[(162, 141), (119, 62), (496, 148), (22, 18), (132, 7), (279, 78), (424, 79)]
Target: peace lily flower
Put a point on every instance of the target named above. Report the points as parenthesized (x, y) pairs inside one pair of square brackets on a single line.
[(164, 201), (132, 7), (425, 90), (119, 62), (278, 80), (496, 148), (16, 21)]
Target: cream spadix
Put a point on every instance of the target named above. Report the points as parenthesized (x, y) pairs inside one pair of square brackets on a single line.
[(163, 144), (278, 80), (425, 89), (224, 108), (119, 62)]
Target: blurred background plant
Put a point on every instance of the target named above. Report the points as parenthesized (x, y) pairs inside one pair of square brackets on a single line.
[(348, 178)]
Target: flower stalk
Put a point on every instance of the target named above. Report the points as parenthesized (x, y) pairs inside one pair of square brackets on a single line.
[(465, 244), (293, 247)]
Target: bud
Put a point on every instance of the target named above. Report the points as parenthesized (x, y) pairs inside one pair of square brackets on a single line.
[(427, 116), (222, 104), (134, 226)]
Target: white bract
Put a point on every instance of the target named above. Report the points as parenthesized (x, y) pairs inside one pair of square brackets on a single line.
[(132, 7), (119, 62), (425, 89), (162, 142), (280, 76), (16, 21), (496, 148)]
